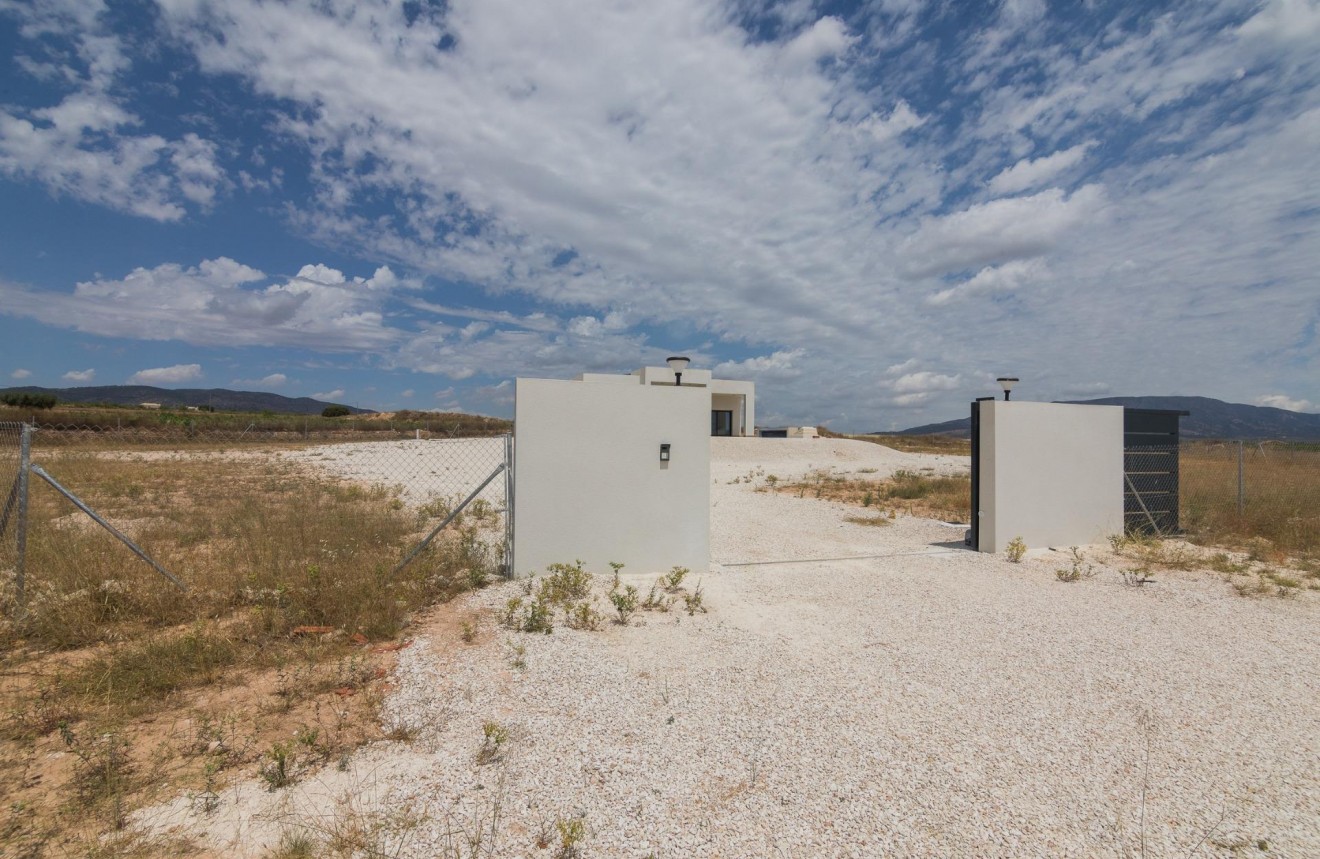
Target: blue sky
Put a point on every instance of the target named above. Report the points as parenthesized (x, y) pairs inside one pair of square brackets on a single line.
[(871, 210)]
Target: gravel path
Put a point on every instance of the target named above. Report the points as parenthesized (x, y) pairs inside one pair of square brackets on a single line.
[(919, 701)]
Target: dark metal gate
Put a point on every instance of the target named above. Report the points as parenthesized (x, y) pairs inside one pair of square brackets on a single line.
[(1150, 470)]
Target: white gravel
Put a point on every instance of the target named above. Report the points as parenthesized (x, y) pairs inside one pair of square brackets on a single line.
[(917, 700)]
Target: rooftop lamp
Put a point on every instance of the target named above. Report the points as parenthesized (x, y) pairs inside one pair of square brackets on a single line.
[(678, 363), (1007, 383)]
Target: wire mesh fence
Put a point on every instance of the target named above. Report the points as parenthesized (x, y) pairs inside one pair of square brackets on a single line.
[(1234, 493), (11, 435), (193, 497)]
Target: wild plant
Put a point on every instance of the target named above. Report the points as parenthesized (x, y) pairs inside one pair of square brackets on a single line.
[(1015, 550), (656, 599), (566, 583), (695, 601), (582, 615), (625, 604), (494, 736), (1077, 570), (673, 580), (571, 835)]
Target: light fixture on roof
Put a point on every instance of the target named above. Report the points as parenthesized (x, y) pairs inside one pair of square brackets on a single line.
[(678, 363), (1007, 383)]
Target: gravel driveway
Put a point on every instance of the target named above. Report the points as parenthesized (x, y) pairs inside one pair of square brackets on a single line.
[(915, 699)]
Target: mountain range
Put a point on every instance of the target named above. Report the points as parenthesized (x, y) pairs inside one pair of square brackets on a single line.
[(1208, 418), (218, 398)]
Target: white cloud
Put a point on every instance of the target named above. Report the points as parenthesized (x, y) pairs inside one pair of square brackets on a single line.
[(1285, 20), (1029, 173), (336, 394), (1282, 401), (274, 380), (221, 302), (775, 367), (1006, 278), (167, 375), (20, 373), (79, 375), (85, 146), (1002, 230), (925, 382), (408, 393)]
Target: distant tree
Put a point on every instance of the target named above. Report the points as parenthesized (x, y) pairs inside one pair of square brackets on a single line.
[(335, 412), (30, 400)]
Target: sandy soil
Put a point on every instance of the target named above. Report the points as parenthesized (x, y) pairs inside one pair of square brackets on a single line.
[(913, 699)]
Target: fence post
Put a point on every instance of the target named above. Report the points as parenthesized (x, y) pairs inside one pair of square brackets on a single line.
[(508, 506), (1242, 500), (24, 464)]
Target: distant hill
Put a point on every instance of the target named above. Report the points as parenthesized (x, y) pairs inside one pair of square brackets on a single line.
[(218, 398), (1209, 418)]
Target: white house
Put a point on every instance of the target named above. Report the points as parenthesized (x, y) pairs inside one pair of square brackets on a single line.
[(732, 404)]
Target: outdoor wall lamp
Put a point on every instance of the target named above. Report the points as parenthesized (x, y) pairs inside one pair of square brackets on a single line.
[(664, 452), (678, 363), (1007, 383)]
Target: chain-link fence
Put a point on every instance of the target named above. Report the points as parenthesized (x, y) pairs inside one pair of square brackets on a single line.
[(11, 442), (1233, 493), (182, 495)]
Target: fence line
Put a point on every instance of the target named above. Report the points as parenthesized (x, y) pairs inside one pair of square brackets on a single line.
[(426, 475), (1236, 492)]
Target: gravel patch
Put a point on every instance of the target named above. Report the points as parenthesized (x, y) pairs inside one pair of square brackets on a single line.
[(918, 700)]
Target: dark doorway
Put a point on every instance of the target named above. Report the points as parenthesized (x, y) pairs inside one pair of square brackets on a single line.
[(721, 422)]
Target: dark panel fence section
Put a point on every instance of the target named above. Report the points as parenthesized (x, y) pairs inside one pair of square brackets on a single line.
[(1150, 471)]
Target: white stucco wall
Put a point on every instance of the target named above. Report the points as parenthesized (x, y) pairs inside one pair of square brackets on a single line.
[(589, 484), (1050, 473)]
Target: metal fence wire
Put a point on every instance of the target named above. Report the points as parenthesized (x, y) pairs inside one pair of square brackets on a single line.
[(11, 435), (430, 478), (1260, 493)]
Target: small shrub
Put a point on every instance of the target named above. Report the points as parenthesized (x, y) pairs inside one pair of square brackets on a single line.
[(517, 654), (566, 583), (1077, 570), (571, 835), (674, 578), (537, 617), (509, 617), (277, 770), (695, 601), (494, 736), (1015, 550), (582, 616), (468, 632), (625, 604), (336, 412), (656, 599)]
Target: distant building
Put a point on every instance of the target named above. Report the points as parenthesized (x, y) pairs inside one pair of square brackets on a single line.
[(732, 403), (149, 405)]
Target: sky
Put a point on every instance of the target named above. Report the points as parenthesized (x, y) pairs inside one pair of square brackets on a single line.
[(870, 210)]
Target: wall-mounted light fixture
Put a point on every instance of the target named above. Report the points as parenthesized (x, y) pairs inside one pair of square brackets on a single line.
[(1007, 383), (664, 452), (678, 363)]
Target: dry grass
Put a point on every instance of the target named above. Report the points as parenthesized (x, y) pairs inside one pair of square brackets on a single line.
[(946, 444), (131, 683), (1282, 496), (910, 492)]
